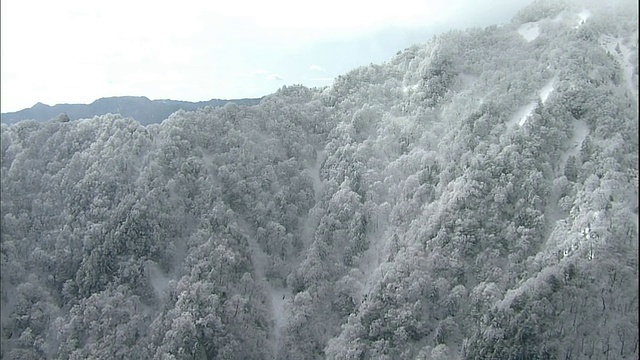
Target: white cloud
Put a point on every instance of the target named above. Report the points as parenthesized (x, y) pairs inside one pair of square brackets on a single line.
[(322, 79), (79, 52), (317, 68), (275, 77), (150, 77), (260, 72)]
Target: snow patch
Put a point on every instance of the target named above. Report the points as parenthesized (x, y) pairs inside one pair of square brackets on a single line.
[(406, 89), (583, 15), (280, 298), (159, 280), (558, 17), (580, 132), (546, 91), (369, 263), (609, 43), (467, 81), (315, 172), (529, 31), (616, 47), (313, 218), (553, 212), (522, 114), (260, 261)]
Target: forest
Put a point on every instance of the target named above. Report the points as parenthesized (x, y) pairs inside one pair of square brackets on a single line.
[(474, 197)]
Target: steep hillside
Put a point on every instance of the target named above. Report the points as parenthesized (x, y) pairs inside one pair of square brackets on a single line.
[(475, 197)]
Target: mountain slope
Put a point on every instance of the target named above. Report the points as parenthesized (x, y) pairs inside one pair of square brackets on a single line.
[(474, 197)]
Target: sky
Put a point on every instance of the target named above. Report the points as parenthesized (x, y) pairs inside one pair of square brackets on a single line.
[(77, 51)]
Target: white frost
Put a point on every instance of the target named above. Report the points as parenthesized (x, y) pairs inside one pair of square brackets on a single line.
[(529, 31)]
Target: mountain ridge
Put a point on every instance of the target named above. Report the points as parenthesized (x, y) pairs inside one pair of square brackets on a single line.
[(141, 108)]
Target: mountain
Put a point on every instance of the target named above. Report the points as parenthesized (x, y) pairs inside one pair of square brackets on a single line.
[(475, 197), (138, 107)]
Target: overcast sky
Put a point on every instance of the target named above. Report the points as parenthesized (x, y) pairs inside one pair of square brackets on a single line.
[(76, 51)]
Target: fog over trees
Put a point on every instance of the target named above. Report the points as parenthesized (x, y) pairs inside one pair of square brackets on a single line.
[(474, 197)]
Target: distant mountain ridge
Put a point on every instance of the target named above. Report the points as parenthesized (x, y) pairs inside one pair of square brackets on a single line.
[(138, 107)]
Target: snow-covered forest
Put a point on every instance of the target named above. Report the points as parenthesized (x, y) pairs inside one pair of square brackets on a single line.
[(475, 197)]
